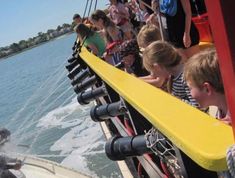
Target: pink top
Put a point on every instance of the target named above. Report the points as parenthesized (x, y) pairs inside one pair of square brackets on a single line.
[(118, 13)]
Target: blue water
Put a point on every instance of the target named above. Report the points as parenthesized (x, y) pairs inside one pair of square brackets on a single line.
[(39, 107)]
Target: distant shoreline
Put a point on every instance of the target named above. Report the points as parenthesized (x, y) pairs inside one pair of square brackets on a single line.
[(13, 54), (39, 39)]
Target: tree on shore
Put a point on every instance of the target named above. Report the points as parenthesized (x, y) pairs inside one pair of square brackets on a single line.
[(50, 31), (23, 44), (65, 25), (15, 47), (59, 28)]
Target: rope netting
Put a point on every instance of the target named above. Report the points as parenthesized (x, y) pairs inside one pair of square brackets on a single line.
[(166, 151)]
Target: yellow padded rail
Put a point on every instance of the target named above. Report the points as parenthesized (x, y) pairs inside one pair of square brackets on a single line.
[(205, 45), (203, 138)]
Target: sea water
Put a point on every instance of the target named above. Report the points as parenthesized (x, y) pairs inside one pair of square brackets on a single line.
[(39, 107)]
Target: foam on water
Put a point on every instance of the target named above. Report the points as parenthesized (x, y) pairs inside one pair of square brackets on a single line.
[(83, 138), (79, 144), (57, 117), (79, 137)]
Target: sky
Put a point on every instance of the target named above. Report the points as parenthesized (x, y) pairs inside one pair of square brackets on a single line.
[(21, 19)]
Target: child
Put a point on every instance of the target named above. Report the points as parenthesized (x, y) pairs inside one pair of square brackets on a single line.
[(90, 39), (102, 22), (205, 83), (129, 53), (113, 35), (162, 59), (148, 34)]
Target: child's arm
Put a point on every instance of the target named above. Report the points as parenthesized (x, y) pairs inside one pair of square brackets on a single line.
[(157, 82)]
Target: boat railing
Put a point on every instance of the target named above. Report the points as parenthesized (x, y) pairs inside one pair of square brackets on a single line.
[(200, 136)]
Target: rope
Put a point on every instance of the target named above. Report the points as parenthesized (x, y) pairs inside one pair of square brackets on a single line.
[(165, 150), (230, 157), (95, 5), (84, 13), (90, 8)]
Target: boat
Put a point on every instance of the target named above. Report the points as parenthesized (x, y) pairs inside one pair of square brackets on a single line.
[(193, 144), (34, 167)]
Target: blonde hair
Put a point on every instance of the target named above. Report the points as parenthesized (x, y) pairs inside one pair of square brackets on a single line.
[(147, 34), (204, 67), (162, 53)]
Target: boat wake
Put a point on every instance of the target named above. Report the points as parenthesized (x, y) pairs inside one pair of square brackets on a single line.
[(81, 141)]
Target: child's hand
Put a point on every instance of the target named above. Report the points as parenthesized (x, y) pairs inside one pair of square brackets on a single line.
[(226, 120)]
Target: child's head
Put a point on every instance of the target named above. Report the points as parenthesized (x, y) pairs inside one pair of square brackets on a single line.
[(148, 34), (83, 31), (100, 19), (129, 50), (160, 57), (202, 74)]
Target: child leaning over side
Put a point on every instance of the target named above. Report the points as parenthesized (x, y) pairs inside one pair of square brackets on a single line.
[(90, 39), (148, 34), (162, 59), (129, 53), (113, 35), (205, 83)]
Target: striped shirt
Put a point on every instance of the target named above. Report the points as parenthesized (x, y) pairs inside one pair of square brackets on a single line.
[(181, 90)]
